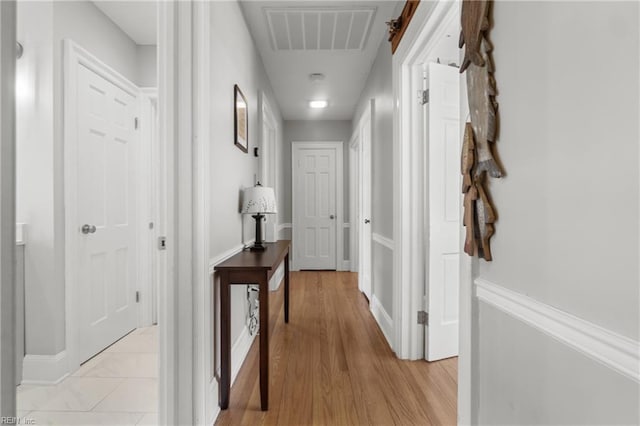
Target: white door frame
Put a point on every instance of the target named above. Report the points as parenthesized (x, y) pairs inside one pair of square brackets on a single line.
[(360, 187), (7, 207), (429, 23), (74, 55), (354, 196), (268, 159), (338, 145), (148, 188), (176, 372)]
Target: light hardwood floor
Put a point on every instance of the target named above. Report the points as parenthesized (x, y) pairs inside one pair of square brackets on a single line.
[(331, 365)]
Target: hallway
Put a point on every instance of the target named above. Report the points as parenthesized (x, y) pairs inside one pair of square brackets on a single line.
[(331, 365)]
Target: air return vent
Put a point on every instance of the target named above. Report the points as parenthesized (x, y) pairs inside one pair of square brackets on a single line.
[(319, 28)]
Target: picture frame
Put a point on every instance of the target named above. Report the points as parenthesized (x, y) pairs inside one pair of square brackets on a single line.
[(240, 120)]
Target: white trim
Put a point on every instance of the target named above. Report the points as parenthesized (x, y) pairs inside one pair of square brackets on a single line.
[(45, 369), (174, 109), (268, 159), (384, 241), (613, 350), (429, 20), (204, 382), (361, 185), (21, 234), (382, 318), (224, 256), (346, 265), (146, 241), (283, 226), (277, 277), (74, 56), (7, 207), (239, 352), (338, 146)]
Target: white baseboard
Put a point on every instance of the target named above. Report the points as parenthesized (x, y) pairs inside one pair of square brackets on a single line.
[(45, 369), (615, 351), (346, 265), (276, 278), (239, 352), (382, 317)]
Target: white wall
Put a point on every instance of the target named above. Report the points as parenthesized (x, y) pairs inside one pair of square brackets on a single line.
[(42, 26), (379, 87), (44, 285), (147, 66), (567, 234), (235, 61)]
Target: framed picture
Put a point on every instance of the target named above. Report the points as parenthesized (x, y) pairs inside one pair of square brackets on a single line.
[(241, 120)]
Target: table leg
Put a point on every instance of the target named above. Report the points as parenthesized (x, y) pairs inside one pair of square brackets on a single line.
[(225, 341), (264, 343), (286, 288)]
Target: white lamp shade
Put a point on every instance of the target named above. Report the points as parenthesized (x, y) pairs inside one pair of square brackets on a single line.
[(259, 199)]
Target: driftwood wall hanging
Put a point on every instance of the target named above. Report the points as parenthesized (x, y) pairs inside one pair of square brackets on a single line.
[(478, 163), (398, 26)]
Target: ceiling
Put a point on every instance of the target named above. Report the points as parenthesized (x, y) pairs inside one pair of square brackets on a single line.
[(339, 39), (138, 19)]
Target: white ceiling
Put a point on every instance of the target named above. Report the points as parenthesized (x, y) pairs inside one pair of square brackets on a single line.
[(138, 19), (349, 34)]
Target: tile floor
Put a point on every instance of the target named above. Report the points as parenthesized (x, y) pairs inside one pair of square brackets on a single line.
[(119, 386)]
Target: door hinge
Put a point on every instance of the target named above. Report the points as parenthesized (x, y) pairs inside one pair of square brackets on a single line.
[(135, 123), (423, 97), (137, 297), (423, 318)]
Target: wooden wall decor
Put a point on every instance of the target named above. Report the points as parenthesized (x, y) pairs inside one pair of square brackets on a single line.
[(397, 27), (478, 162)]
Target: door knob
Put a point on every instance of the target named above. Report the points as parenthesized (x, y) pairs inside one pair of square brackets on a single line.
[(332, 217), (88, 229), (367, 221)]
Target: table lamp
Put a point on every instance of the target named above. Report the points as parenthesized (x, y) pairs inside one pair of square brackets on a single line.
[(258, 200)]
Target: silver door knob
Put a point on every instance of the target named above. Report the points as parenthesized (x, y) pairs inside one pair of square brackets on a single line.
[(88, 229), (332, 217), (367, 221)]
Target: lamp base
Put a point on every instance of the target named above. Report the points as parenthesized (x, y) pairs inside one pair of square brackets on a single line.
[(257, 246)]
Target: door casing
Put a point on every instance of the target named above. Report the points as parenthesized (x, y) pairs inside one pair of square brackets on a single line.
[(362, 201), (432, 21)]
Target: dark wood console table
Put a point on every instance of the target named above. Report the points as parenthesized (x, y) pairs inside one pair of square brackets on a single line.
[(250, 268)]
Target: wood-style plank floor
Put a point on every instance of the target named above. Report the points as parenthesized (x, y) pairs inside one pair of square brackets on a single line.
[(331, 365)]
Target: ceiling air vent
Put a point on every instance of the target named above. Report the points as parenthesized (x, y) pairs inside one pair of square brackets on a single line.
[(319, 28)]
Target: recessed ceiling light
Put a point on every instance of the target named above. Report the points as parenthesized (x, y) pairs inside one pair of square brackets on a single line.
[(318, 104)]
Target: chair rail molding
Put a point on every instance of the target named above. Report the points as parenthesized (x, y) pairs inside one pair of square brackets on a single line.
[(611, 349), (383, 241)]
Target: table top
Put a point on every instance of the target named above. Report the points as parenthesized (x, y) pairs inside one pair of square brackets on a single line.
[(268, 259)]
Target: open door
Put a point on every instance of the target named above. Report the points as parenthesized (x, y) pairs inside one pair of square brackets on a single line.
[(364, 271), (443, 136)]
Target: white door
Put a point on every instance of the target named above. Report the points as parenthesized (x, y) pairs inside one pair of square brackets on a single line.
[(106, 211), (315, 204), (443, 136), (364, 270)]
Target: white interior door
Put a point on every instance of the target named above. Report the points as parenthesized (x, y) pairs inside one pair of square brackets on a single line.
[(268, 166), (443, 135), (315, 191), (364, 270), (106, 212)]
